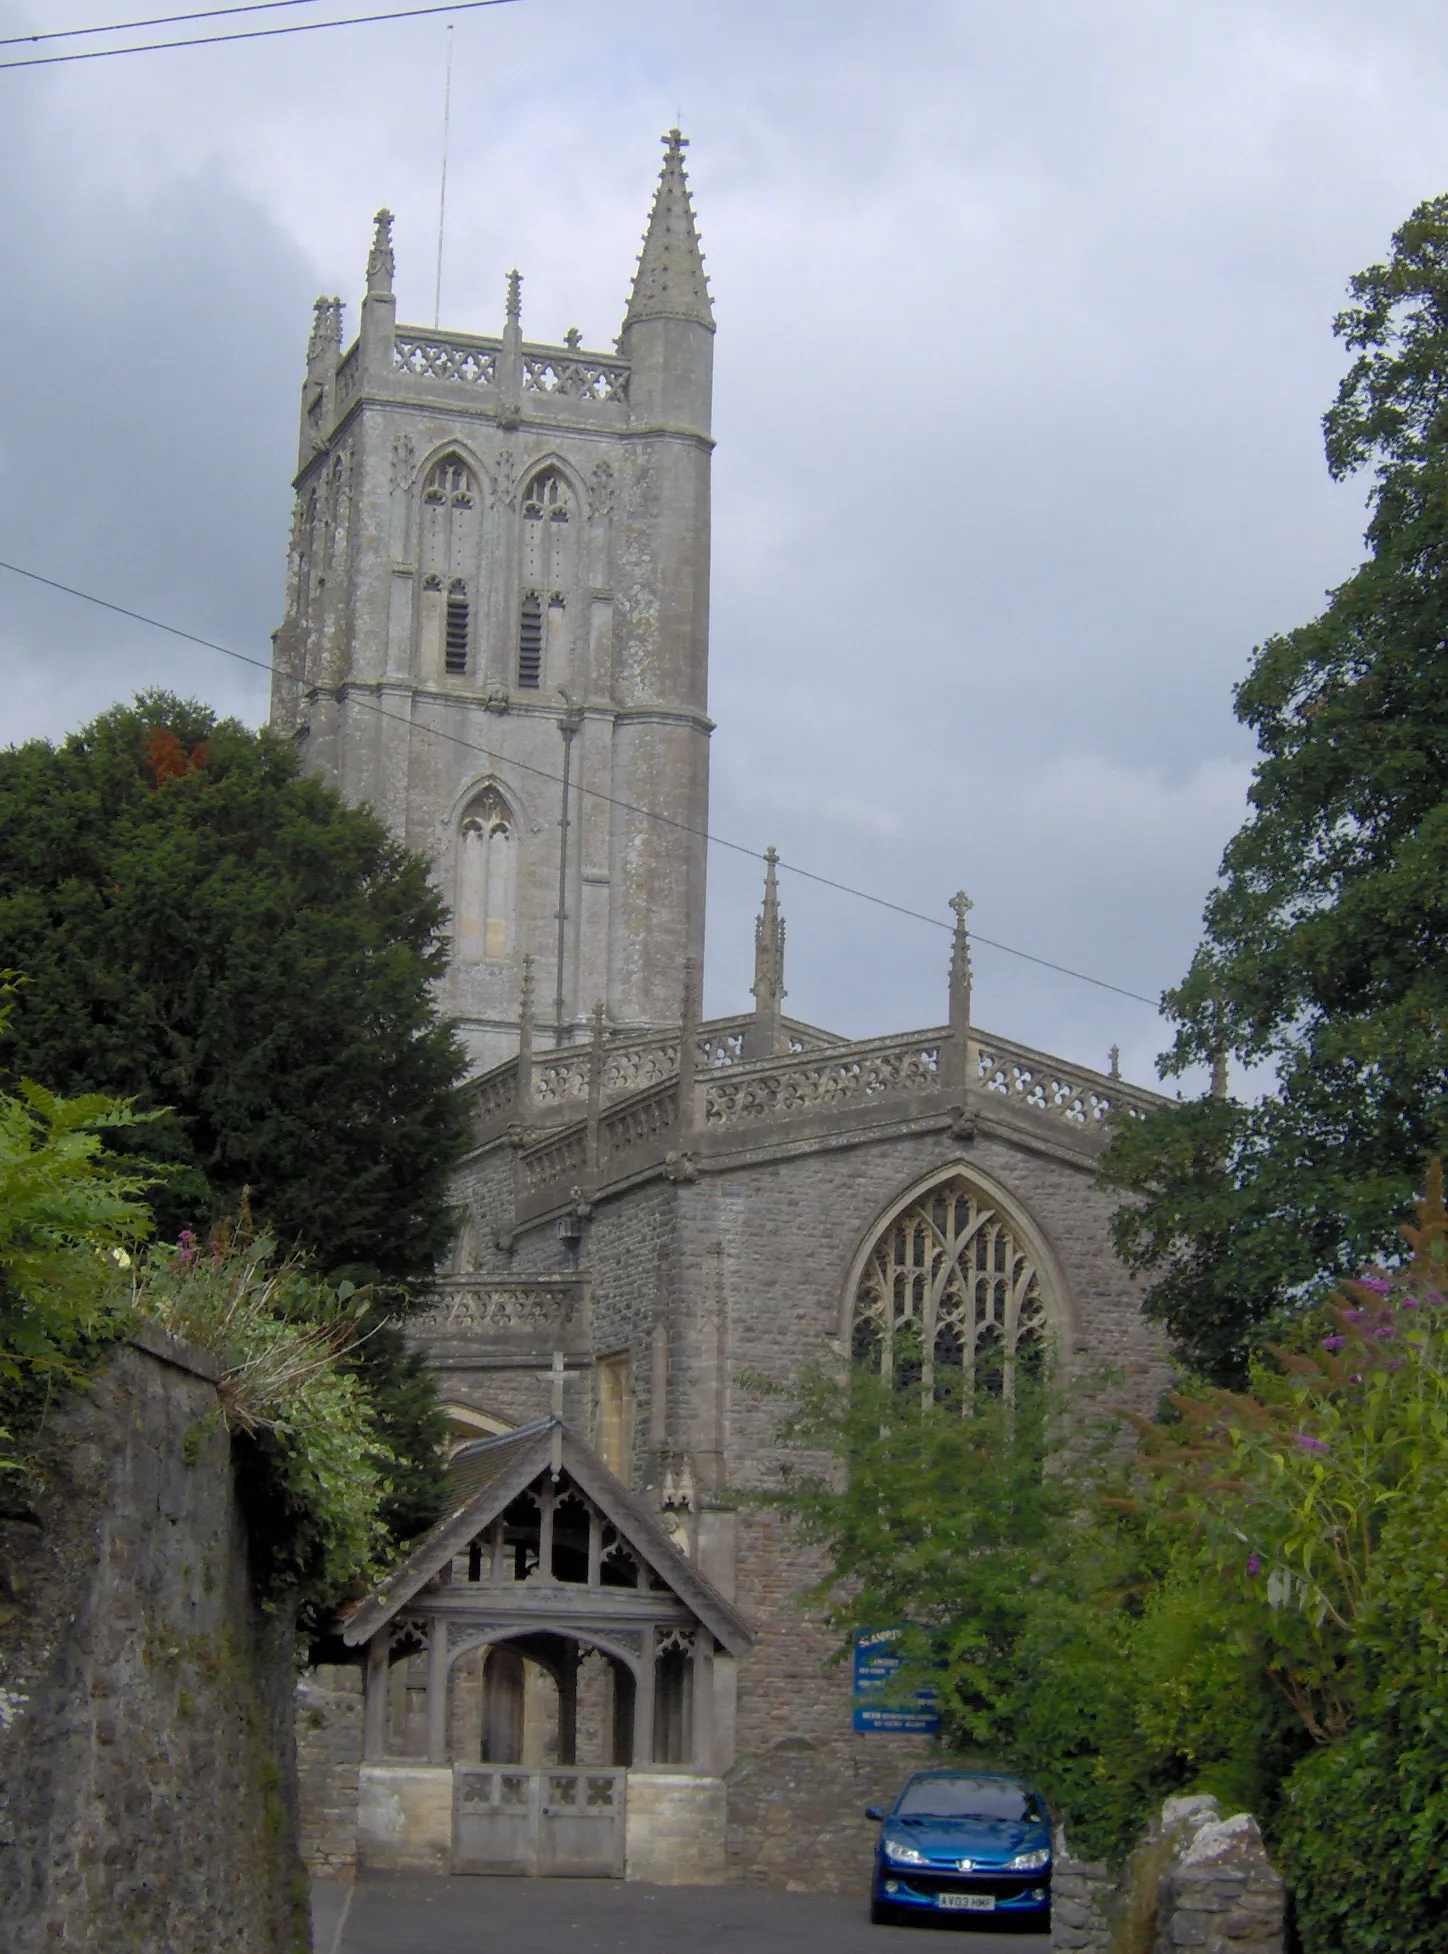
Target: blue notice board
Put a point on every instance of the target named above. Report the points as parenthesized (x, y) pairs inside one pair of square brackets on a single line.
[(876, 1667)]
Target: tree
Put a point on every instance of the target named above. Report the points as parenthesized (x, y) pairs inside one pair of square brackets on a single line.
[(1325, 953), (221, 940)]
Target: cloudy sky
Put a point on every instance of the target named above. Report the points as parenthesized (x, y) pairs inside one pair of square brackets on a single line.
[(1024, 337)]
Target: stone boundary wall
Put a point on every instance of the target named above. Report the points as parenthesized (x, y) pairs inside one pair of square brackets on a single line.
[(329, 1763), (147, 1775), (1197, 1884)]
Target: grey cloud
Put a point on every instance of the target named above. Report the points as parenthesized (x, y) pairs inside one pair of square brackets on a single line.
[(1024, 338)]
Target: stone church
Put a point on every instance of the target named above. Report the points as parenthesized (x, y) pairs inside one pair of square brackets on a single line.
[(496, 634)]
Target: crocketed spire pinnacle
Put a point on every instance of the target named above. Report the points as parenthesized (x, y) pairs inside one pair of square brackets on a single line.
[(670, 281)]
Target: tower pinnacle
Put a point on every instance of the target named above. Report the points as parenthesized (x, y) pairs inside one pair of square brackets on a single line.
[(670, 282), (960, 972), (765, 1037)]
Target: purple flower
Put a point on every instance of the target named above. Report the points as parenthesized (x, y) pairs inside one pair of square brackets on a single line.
[(1333, 1343), (1375, 1283), (1356, 1378), (1385, 1330), (1308, 1442), (1434, 1296), (1409, 1302), (1254, 1563)]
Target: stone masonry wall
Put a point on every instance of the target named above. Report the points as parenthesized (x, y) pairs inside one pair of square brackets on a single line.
[(329, 1758), (147, 1776)]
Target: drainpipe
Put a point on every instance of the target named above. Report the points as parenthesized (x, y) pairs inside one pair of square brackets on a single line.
[(568, 725)]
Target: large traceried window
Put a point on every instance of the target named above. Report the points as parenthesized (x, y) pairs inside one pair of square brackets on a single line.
[(487, 879), (949, 1291)]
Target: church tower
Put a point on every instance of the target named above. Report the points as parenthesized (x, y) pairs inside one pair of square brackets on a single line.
[(496, 629)]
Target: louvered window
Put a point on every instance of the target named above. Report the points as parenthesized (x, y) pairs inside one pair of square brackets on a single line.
[(530, 643), (455, 644)]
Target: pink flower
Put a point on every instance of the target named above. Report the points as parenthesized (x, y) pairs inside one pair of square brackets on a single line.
[(1308, 1442)]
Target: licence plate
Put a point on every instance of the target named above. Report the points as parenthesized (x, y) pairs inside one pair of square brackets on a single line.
[(967, 1902)]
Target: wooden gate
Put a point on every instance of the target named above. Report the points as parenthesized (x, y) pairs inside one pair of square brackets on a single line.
[(562, 1823)]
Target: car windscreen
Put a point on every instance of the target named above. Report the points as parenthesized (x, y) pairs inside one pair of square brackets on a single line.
[(968, 1798)]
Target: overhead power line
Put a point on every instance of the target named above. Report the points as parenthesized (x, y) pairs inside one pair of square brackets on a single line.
[(253, 33), (157, 20), (593, 793)]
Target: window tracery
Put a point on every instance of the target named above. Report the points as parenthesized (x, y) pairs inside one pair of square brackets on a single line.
[(546, 498), (950, 1297), (487, 879)]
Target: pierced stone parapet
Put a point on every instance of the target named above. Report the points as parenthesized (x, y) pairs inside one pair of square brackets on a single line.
[(636, 1123), (477, 1317), (576, 379), (858, 1075), (1028, 1079), (558, 1161), (447, 357)]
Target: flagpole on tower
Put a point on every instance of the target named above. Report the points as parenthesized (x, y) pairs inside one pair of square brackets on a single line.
[(442, 187)]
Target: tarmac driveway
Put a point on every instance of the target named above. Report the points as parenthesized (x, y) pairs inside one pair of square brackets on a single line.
[(393, 1915)]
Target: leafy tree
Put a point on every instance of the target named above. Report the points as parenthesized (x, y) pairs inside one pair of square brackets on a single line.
[(209, 933), (1325, 954), (1318, 1505), (1058, 1632)]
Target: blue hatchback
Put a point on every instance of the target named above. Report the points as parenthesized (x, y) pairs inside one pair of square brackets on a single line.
[(964, 1842)]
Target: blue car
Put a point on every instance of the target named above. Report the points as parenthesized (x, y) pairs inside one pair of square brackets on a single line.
[(971, 1843)]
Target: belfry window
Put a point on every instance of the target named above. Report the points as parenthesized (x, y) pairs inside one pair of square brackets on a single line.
[(950, 1299), (455, 641), (530, 642)]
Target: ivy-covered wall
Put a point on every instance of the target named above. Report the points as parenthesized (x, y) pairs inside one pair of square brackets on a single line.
[(147, 1771)]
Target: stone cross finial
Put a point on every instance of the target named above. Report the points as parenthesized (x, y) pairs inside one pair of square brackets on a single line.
[(381, 262), (960, 973), (1113, 1063), (513, 309), (674, 142)]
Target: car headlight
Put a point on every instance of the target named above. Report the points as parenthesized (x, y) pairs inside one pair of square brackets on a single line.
[(1030, 1862), (905, 1855)]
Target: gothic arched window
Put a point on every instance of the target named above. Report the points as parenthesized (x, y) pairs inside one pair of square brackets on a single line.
[(547, 574), (949, 1291), (487, 880), (450, 564)]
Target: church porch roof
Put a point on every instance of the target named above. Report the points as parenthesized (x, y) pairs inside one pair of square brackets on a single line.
[(486, 1477)]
